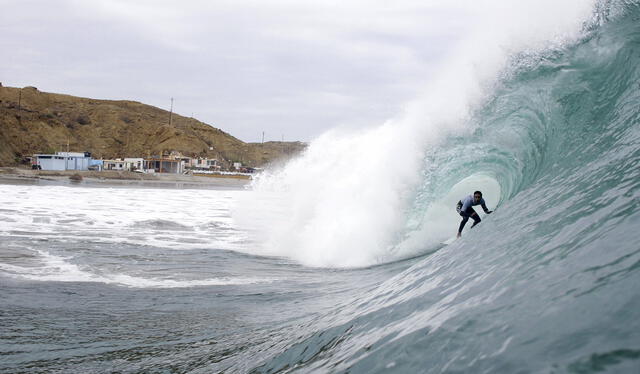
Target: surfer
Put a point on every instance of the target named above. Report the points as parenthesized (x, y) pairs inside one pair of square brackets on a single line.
[(464, 208)]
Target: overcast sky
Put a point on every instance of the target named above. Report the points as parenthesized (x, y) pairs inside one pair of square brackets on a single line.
[(292, 69)]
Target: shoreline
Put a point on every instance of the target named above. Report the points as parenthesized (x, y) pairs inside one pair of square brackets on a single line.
[(109, 178)]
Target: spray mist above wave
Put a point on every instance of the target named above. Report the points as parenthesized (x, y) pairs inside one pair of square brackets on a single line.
[(350, 199)]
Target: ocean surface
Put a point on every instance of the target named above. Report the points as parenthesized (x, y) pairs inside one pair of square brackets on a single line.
[(336, 262)]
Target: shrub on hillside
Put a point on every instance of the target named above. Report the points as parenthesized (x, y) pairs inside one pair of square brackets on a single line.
[(83, 120)]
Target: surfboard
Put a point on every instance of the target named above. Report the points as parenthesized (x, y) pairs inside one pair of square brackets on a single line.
[(449, 241)]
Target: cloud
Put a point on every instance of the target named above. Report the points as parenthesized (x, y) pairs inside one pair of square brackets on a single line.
[(295, 68)]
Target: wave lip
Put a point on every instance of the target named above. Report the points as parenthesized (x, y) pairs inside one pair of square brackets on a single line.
[(353, 198)]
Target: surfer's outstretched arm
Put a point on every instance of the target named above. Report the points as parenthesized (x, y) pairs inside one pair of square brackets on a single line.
[(484, 207)]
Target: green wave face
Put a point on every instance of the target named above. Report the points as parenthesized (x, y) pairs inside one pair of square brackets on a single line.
[(562, 130), (547, 283)]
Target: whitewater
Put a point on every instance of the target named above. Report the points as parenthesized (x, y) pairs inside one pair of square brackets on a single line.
[(335, 262)]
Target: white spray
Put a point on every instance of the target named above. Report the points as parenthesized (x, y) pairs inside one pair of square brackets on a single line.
[(343, 203)]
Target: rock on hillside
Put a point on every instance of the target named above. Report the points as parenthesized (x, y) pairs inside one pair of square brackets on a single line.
[(38, 122)]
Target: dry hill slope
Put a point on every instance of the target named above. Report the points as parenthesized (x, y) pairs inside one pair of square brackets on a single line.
[(32, 121)]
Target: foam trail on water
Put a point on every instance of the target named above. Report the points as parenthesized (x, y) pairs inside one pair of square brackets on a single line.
[(54, 268), (344, 202)]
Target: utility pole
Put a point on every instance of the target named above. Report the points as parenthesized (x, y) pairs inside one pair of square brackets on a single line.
[(263, 137), (20, 106), (171, 112)]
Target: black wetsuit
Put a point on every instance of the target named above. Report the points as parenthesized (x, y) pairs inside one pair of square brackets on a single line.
[(464, 208)]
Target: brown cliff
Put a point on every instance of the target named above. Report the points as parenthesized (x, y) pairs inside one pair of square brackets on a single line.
[(32, 122)]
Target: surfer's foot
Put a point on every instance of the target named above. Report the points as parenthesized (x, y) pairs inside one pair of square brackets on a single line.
[(459, 234)]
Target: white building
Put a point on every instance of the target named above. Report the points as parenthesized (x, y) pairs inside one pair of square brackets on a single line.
[(128, 164), (134, 163), (63, 161), (205, 163), (117, 164)]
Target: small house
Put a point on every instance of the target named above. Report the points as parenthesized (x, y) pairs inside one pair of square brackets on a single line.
[(163, 165), (62, 161), (117, 164), (205, 163), (134, 163)]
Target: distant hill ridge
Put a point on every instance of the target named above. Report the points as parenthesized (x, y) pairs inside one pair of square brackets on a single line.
[(32, 122)]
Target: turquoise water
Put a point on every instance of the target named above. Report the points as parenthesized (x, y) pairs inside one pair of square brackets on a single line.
[(549, 283)]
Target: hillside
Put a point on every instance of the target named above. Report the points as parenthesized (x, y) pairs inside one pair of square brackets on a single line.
[(32, 122)]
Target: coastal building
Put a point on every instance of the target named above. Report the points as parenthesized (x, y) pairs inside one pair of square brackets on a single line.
[(62, 161), (163, 165), (117, 164), (48, 162), (205, 163), (95, 165), (184, 161), (134, 163), (124, 164)]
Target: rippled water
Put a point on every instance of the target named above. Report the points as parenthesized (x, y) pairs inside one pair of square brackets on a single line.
[(350, 274), (134, 279)]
